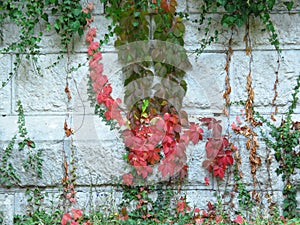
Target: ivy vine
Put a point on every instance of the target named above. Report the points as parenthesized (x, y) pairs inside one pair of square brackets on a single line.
[(285, 143), (32, 162), (70, 19), (236, 13)]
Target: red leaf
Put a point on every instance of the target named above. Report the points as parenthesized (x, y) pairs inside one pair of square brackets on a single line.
[(225, 142), (210, 206), (239, 220), (212, 148), (144, 171), (206, 181), (195, 133), (153, 156), (127, 179), (218, 171), (77, 213), (166, 167), (66, 218), (207, 163), (205, 120), (183, 172), (216, 130)]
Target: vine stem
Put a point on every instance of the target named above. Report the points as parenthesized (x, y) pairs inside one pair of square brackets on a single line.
[(275, 88), (227, 91)]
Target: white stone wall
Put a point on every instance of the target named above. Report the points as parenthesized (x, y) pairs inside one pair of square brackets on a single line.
[(98, 150)]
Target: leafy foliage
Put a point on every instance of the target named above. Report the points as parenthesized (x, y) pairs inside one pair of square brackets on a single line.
[(33, 160), (218, 149), (237, 13), (27, 15), (285, 143)]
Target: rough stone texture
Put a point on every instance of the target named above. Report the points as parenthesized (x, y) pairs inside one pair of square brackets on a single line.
[(5, 93), (98, 151)]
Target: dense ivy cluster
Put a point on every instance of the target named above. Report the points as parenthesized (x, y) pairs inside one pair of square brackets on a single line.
[(70, 19), (236, 13)]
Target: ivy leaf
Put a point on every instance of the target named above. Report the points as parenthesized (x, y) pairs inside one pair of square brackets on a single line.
[(77, 12), (45, 17), (135, 23), (21, 145), (145, 105), (289, 5), (30, 144), (75, 25), (56, 26)]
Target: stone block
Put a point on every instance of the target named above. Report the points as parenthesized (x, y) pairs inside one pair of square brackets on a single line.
[(52, 171), (264, 67), (205, 83), (288, 34), (100, 162), (44, 93), (5, 92), (7, 208)]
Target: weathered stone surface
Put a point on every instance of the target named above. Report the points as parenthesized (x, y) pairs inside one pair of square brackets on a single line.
[(7, 208), (100, 162), (40, 128), (288, 34), (205, 83), (99, 151), (264, 66), (5, 92)]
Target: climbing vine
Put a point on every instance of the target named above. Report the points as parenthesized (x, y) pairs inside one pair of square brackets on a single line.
[(32, 159), (285, 144), (28, 15), (236, 14), (156, 132)]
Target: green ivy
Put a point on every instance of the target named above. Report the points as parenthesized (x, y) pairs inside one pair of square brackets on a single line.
[(236, 13), (285, 142), (32, 162), (28, 14)]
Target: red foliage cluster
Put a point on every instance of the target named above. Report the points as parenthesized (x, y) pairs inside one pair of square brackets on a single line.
[(159, 139), (101, 86), (218, 149), (154, 137), (75, 217)]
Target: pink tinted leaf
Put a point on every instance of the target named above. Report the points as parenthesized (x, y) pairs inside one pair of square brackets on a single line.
[(166, 167), (207, 163), (77, 213), (66, 218), (212, 148), (239, 220), (184, 118)]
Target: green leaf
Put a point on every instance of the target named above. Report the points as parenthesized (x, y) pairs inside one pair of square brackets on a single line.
[(53, 11), (289, 5), (32, 144), (45, 16), (135, 23), (137, 14), (77, 11), (56, 26), (75, 25), (145, 105), (21, 145)]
